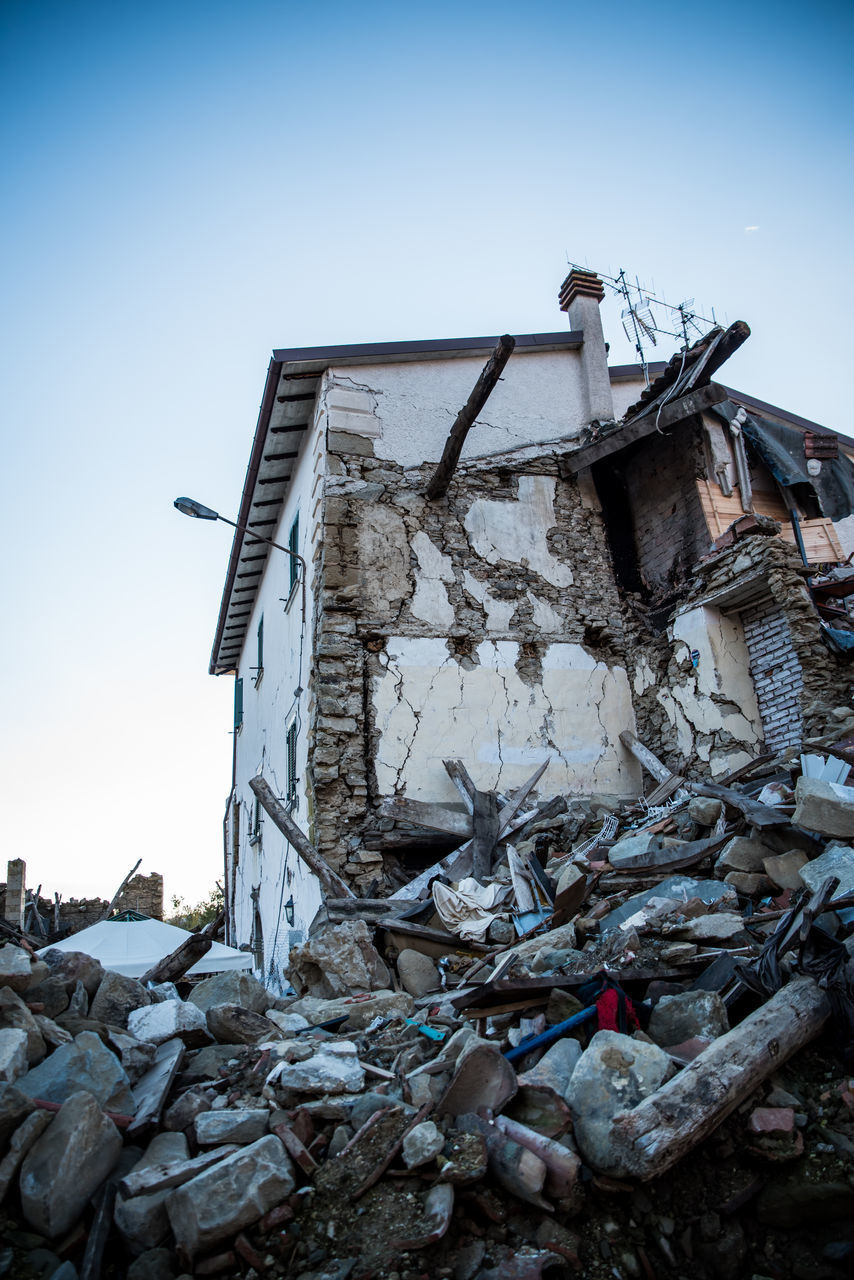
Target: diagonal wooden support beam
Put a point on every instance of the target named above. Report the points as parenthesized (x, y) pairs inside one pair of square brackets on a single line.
[(332, 883), (483, 388)]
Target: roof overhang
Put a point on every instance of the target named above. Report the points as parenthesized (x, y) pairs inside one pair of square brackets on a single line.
[(286, 413)]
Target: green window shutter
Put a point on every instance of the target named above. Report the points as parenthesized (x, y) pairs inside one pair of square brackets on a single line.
[(238, 702), (293, 546), (292, 764), (261, 644)]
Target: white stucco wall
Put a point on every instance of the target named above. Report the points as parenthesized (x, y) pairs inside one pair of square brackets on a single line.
[(268, 710), (717, 696), (429, 707), (408, 409)]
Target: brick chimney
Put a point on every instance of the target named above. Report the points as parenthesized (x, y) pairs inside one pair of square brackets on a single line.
[(580, 295), (16, 892)]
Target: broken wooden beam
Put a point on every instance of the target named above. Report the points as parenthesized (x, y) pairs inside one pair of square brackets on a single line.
[(760, 815), (176, 964), (330, 881), (435, 817), (483, 388), (106, 914), (647, 758), (172, 1173), (656, 1134), (621, 437)]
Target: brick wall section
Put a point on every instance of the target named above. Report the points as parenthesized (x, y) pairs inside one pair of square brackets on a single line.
[(670, 529), (777, 674)]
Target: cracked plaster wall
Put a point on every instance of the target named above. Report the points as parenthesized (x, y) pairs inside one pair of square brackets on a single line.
[(428, 707), (485, 625), (708, 717)]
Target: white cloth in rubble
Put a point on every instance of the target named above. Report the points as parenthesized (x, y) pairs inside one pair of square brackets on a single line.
[(468, 910)]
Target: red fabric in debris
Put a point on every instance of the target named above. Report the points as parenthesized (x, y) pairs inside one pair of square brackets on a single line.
[(608, 1008)]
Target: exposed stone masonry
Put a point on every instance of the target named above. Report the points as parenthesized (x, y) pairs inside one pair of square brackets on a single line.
[(392, 563), (776, 572), (142, 893)]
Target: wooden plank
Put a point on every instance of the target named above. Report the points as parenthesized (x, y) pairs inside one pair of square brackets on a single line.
[(366, 908), (329, 879), (108, 911), (449, 940), (105, 1199), (650, 762), (522, 888), (461, 779), (673, 857), (150, 1092), (665, 789), (435, 817), (459, 863), (172, 1173), (486, 826), (483, 388), (176, 964), (518, 798), (821, 542)]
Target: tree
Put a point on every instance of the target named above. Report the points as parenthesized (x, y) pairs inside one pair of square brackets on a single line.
[(196, 917)]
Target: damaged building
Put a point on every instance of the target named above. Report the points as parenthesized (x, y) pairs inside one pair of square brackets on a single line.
[(604, 559)]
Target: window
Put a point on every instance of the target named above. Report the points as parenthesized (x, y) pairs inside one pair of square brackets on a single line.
[(255, 834), (238, 703), (259, 667), (293, 547), (291, 793)]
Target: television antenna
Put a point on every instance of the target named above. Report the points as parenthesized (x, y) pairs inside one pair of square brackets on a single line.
[(644, 317)]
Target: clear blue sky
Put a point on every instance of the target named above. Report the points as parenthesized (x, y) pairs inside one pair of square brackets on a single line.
[(188, 185)]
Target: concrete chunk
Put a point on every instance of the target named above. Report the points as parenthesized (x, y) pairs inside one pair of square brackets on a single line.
[(13, 1054), (84, 1063), (67, 1164), (687, 1015), (160, 1022), (14, 1013), (22, 1139), (234, 987), (231, 1195), (614, 1074), (116, 997), (825, 807), (215, 1128), (143, 1220), (784, 869), (334, 1070), (17, 970)]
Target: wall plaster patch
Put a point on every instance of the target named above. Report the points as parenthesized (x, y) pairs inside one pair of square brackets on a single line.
[(430, 602), (517, 531), (429, 708)]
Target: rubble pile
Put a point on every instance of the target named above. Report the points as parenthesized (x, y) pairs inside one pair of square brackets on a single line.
[(624, 1050)]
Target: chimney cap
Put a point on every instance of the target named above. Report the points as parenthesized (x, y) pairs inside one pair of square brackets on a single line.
[(580, 284)]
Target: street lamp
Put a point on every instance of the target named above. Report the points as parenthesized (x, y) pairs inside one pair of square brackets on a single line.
[(190, 507)]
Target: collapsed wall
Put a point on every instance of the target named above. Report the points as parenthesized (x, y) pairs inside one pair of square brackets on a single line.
[(485, 625), (742, 665), (141, 893)]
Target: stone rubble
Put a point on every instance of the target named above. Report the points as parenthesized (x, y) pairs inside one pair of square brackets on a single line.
[(418, 1110)]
